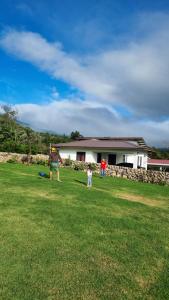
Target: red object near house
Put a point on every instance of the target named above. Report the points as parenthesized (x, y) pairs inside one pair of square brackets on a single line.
[(103, 165), (158, 162)]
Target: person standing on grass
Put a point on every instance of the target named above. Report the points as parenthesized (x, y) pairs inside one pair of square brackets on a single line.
[(89, 176), (103, 167), (54, 162)]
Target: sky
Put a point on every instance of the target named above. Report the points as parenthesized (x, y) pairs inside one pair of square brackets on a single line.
[(97, 66)]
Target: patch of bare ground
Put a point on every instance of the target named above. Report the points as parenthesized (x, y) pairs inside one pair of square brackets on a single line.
[(140, 199), (106, 263), (135, 198), (146, 282), (23, 173), (34, 193), (89, 295)]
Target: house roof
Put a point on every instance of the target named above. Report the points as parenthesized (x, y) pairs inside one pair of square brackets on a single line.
[(139, 140), (158, 162), (103, 143)]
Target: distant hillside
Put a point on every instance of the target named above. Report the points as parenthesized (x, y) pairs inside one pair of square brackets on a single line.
[(160, 153), (18, 137)]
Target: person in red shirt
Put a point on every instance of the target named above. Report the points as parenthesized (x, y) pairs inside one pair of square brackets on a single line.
[(103, 167)]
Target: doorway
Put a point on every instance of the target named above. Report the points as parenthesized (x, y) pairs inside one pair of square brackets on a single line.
[(111, 159), (99, 157)]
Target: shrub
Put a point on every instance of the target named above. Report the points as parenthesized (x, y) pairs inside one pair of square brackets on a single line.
[(162, 182), (41, 162), (79, 166), (93, 166), (68, 162), (12, 161)]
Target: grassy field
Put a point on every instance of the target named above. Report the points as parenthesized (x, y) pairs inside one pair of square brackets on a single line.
[(65, 241)]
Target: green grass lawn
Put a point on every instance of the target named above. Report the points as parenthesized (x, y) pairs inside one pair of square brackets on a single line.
[(65, 241)]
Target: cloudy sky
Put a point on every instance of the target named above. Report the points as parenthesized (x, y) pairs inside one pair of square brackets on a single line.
[(97, 66)]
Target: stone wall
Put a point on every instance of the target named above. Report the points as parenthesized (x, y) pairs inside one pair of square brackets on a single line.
[(142, 175), (5, 156)]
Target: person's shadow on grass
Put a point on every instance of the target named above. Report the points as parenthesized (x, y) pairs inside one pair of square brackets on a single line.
[(80, 182)]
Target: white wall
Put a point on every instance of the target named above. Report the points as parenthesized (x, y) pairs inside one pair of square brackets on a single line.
[(68, 153), (71, 153), (91, 156)]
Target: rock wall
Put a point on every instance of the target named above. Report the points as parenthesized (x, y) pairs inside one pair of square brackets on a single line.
[(5, 156), (142, 175)]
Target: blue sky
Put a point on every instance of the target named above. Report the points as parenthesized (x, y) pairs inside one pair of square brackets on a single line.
[(98, 66)]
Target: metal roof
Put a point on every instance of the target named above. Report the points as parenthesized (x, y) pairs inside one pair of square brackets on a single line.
[(158, 162), (102, 144)]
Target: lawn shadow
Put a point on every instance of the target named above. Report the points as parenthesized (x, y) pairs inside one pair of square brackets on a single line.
[(80, 182)]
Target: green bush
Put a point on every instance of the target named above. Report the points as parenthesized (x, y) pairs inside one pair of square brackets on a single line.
[(68, 162), (41, 162), (79, 167), (11, 161), (93, 166), (162, 182)]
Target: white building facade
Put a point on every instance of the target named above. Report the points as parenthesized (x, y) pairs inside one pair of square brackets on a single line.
[(138, 159), (114, 151)]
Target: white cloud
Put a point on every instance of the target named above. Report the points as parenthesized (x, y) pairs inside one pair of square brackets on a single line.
[(50, 57), (134, 77), (91, 120)]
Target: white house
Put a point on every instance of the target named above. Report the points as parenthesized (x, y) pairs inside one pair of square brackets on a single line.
[(127, 151)]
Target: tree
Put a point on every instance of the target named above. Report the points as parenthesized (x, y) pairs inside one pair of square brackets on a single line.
[(75, 134), (30, 138), (8, 126)]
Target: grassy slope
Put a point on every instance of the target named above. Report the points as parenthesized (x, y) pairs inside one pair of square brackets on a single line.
[(63, 241)]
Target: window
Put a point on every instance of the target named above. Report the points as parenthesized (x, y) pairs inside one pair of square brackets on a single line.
[(80, 156), (99, 157), (139, 161), (124, 158)]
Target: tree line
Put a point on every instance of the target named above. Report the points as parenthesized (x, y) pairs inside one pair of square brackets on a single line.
[(160, 153), (18, 138)]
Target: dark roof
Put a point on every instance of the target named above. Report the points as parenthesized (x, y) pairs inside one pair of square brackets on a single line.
[(102, 144), (158, 162), (140, 141)]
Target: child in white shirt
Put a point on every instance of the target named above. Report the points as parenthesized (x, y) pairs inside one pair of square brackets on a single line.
[(89, 177)]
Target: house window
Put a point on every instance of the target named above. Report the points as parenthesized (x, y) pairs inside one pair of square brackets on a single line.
[(99, 157), (80, 156), (139, 161)]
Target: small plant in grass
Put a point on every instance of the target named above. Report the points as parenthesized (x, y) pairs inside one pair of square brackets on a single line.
[(12, 161), (162, 182)]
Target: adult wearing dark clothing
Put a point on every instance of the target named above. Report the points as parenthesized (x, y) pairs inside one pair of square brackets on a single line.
[(54, 162)]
